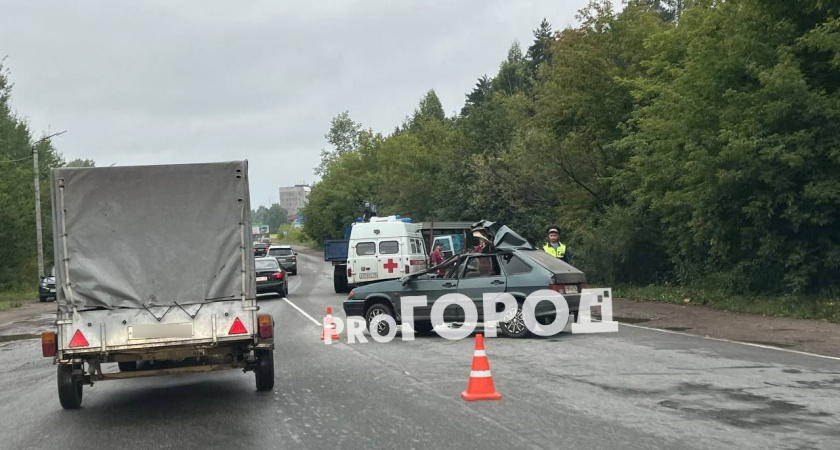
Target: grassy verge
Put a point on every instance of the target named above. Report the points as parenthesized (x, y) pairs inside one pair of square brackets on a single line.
[(797, 306), (294, 236), (15, 298)]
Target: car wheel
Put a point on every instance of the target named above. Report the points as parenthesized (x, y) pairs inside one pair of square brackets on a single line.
[(69, 390), (375, 310), (294, 272), (512, 324), (42, 298), (264, 372)]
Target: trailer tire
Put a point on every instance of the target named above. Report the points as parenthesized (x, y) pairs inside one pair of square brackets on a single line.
[(264, 372), (69, 390)]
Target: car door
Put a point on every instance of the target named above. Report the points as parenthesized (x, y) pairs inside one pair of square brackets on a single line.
[(433, 289), (365, 264), (482, 275), (390, 259)]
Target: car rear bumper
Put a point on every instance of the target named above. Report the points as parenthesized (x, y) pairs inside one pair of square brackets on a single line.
[(270, 286), (45, 292)]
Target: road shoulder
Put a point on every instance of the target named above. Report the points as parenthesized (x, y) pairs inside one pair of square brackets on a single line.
[(812, 336)]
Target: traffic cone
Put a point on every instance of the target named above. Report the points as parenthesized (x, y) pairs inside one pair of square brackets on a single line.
[(329, 327), (480, 386)]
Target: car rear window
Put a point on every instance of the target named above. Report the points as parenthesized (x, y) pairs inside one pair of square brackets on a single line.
[(365, 248), (389, 247), (280, 252), (266, 264), (514, 264)]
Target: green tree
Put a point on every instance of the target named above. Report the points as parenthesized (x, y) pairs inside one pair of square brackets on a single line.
[(276, 216), (81, 163), (18, 249), (539, 52), (343, 136)]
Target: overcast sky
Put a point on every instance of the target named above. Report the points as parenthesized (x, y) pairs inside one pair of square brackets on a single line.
[(157, 82)]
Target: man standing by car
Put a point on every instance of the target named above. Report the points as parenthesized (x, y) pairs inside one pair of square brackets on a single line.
[(437, 258), (554, 247)]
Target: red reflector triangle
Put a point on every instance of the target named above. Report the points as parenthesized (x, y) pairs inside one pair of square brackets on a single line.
[(78, 340), (237, 327)]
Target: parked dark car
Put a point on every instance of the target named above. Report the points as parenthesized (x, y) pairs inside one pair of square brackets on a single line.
[(271, 278), (510, 264), (260, 249), (285, 256), (46, 288)]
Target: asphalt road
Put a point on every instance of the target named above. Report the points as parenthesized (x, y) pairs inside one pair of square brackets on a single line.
[(635, 389)]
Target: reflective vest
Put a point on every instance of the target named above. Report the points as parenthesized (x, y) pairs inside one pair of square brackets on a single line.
[(559, 253)]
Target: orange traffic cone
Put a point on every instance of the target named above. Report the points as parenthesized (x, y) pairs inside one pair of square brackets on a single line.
[(480, 386), (329, 327)]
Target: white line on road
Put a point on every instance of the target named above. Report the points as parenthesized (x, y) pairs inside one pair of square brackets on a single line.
[(302, 312), (749, 344)]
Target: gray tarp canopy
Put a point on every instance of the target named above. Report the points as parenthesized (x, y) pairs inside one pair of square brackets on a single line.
[(149, 236)]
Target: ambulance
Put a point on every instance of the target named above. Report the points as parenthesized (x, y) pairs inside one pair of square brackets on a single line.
[(382, 248)]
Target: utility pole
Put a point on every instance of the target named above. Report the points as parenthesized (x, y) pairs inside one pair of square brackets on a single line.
[(38, 232)]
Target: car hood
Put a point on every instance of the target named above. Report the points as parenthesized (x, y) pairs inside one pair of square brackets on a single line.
[(381, 286), (500, 236)]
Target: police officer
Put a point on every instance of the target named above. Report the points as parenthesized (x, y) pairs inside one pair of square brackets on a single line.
[(554, 247)]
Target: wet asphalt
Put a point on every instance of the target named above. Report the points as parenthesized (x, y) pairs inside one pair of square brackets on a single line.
[(635, 389)]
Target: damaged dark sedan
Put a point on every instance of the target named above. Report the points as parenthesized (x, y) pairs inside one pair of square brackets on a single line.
[(508, 264)]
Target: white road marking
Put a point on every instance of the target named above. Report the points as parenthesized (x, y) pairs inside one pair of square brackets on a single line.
[(302, 312), (748, 344)]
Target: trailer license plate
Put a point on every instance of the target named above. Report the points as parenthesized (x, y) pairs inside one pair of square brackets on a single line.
[(161, 330), (262, 278), (368, 275)]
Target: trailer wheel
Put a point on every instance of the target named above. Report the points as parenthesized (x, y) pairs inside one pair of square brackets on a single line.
[(264, 373), (69, 390)]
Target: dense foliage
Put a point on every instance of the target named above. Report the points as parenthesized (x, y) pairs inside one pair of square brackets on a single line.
[(273, 216), (673, 141)]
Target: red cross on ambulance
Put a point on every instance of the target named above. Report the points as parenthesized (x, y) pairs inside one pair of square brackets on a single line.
[(390, 265)]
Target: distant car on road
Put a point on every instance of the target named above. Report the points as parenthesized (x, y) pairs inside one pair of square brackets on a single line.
[(260, 249), (271, 277), (285, 256), (512, 266), (46, 288)]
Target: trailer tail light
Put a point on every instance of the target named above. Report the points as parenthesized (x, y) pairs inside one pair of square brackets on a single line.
[(237, 327), (407, 268), (278, 276), (48, 345), (78, 340), (349, 273), (265, 326)]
